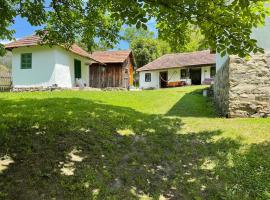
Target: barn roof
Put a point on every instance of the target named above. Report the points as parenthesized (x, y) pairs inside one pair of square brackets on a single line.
[(35, 40), (111, 56), (181, 60)]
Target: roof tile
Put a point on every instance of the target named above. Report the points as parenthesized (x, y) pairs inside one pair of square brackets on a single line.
[(35, 40), (181, 60), (111, 56)]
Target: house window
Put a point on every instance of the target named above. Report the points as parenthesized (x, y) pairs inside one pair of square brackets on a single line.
[(213, 72), (78, 69), (148, 77), (184, 73), (26, 61)]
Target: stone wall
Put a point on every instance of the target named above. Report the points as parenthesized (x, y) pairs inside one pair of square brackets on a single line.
[(242, 87)]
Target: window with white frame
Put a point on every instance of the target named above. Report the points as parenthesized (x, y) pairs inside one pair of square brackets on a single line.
[(213, 72), (147, 77)]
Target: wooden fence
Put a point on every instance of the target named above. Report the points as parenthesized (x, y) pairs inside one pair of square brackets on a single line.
[(5, 81)]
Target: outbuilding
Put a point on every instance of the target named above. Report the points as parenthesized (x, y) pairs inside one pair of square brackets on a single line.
[(179, 69), (37, 65), (117, 71)]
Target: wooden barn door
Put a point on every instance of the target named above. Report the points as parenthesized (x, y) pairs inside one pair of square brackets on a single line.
[(111, 76)]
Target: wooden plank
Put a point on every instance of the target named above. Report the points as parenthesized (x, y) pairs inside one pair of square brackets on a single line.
[(112, 76)]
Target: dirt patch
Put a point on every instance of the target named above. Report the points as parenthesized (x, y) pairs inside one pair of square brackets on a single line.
[(5, 161), (68, 167)]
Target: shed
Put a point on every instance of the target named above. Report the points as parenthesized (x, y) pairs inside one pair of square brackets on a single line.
[(117, 71)]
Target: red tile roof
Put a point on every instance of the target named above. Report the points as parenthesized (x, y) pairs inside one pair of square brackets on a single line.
[(111, 56), (32, 40), (181, 60), (35, 40)]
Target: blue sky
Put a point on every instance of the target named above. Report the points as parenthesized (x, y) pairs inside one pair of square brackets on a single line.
[(23, 28)]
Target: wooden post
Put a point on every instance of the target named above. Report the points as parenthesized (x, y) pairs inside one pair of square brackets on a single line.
[(99, 76)]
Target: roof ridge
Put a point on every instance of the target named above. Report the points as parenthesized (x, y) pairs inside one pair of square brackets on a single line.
[(127, 50), (183, 53), (34, 40), (181, 59), (154, 61)]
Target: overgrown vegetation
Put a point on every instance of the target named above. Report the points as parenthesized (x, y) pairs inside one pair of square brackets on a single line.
[(147, 47), (5, 62), (226, 25), (163, 144)]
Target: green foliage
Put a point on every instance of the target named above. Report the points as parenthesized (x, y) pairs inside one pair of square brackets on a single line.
[(144, 45), (4, 68), (97, 46), (227, 25), (132, 33), (145, 50), (6, 60), (196, 41), (102, 46)]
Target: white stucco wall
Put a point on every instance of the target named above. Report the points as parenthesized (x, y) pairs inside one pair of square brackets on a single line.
[(261, 34), (50, 65), (173, 76), (64, 67), (42, 72), (154, 79)]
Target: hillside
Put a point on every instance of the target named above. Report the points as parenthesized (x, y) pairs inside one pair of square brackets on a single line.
[(4, 68), (6, 60)]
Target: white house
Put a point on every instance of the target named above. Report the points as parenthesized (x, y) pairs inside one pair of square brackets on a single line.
[(35, 65), (179, 69)]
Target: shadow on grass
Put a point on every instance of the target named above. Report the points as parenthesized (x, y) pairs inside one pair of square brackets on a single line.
[(118, 153), (193, 104)]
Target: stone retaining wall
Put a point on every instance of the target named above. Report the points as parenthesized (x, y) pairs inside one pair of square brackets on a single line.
[(242, 87)]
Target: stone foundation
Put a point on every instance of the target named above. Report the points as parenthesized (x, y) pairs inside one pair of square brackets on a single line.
[(34, 89), (41, 89), (242, 87)]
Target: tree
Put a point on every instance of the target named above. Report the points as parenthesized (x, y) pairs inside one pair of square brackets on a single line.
[(145, 50), (226, 25), (6, 60), (145, 46), (97, 46), (195, 41), (132, 33)]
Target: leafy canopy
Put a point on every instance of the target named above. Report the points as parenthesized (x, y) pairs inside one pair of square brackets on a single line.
[(226, 24), (146, 47)]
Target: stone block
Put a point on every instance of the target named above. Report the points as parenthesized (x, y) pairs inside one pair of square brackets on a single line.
[(243, 87)]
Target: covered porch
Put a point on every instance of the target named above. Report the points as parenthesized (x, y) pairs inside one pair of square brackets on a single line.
[(193, 75)]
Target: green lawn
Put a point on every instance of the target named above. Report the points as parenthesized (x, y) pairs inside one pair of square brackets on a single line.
[(161, 144)]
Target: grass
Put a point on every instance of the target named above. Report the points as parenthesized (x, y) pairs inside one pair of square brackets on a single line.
[(161, 144)]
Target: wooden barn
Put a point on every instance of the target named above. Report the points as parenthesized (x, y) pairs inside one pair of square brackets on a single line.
[(117, 70)]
